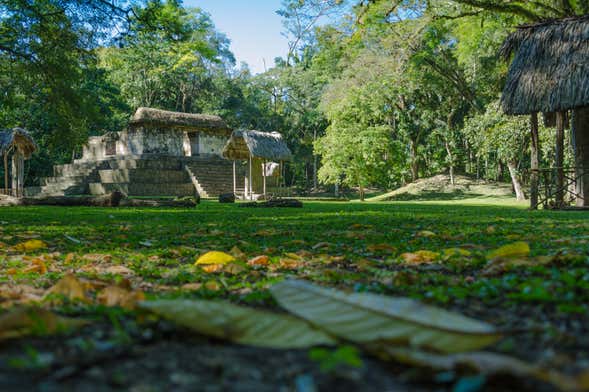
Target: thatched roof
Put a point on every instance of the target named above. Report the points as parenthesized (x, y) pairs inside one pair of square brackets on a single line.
[(266, 145), (550, 67), (18, 138), (164, 118)]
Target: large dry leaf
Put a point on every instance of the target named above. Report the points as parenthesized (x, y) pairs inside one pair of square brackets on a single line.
[(239, 324), (119, 296), (365, 318), (35, 321), (516, 249), (29, 246), (487, 363), (69, 287)]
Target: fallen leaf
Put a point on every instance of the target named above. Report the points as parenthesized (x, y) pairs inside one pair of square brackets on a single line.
[(118, 270), (292, 255), (289, 264), (191, 286), (29, 246), (239, 324), (212, 285), (366, 317), (425, 234), (259, 261), (97, 258), (212, 268), (69, 287), (237, 253), (485, 363), (37, 265), (118, 296), (501, 264), (455, 252), (421, 256), (321, 245), (516, 249), (215, 257), (234, 268), (35, 321)]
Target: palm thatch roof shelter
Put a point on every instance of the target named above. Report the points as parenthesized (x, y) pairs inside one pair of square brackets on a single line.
[(249, 145), (549, 73), (167, 119), (20, 143)]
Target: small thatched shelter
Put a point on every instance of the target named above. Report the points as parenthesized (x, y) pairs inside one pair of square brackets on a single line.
[(259, 149), (21, 145), (550, 74)]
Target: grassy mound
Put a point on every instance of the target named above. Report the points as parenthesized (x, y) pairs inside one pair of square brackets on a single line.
[(439, 187)]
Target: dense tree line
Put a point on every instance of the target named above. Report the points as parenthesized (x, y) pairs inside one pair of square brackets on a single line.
[(371, 92)]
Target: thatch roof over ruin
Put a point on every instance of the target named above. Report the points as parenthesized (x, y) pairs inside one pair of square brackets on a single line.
[(18, 138), (550, 67), (266, 145), (165, 118)]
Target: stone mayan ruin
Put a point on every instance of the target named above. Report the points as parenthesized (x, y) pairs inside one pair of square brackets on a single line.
[(164, 153)]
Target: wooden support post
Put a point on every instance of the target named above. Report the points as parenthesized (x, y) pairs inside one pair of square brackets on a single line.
[(234, 179), (559, 157), (580, 130), (264, 176), (250, 178), (534, 161), (6, 172)]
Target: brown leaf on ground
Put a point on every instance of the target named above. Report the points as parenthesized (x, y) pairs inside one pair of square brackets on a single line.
[(37, 265), (97, 258), (237, 253), (118, 296), (259, 261), (421, 256), (36, 321), (289, 263), (118, 270), (191, 286), (212, 268), (385, 248), (500, 265), (69, 287)]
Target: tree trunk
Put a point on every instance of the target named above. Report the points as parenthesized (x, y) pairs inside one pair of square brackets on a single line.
[(559, 158), (534, 161), (451, 161), (580, 126), (413, 160), (315, 157), (517, 187), (361, 188)]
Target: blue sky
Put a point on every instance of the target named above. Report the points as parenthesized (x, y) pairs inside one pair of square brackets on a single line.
[(253, 27)]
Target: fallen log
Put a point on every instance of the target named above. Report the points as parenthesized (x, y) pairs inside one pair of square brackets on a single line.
[(292, 203), (108, 200), (185, 203)]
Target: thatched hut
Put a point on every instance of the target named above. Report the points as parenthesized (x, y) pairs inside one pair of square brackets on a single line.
[(21, 145), (550, 74), (265, 153)]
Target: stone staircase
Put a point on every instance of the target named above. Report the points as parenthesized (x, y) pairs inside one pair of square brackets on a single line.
[(214, 176), (142, 176)]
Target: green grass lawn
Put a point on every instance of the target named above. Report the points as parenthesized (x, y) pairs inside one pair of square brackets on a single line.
[(353, 245)]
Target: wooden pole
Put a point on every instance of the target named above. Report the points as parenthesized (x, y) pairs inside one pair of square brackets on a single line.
[(580, 129), (559, 157), (264, 177), (6, 172), (534, 161), (250, 178), (234, 179)]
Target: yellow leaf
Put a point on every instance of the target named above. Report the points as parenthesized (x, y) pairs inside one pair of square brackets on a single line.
[(118, 296), (516, 249), (37, 265), (421, 256), (425, 234), (289, 264), (70, 287), (29, 246), (260, 260), (22, 322), (215, 257), (293, 256)]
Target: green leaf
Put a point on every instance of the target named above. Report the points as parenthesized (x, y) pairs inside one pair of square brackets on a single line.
[(239, 324), (365, 318), (517, 249)]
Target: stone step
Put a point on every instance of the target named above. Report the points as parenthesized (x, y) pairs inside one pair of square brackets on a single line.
[(150, 176), (165, 163), (144, 189)]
